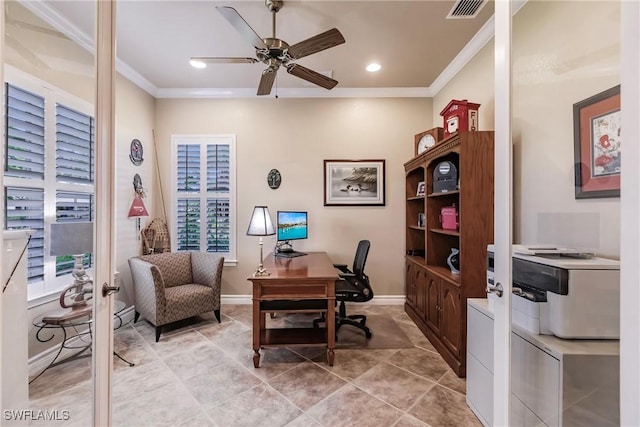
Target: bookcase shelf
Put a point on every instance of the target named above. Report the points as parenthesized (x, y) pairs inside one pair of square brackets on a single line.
[(436, 298)]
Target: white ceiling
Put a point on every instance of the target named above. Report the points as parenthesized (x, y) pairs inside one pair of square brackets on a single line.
[(412, 41)]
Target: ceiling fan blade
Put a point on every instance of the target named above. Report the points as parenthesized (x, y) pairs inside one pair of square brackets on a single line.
[(317, 43), (238, 22), (311, 76), (224, 60), (266, 81)]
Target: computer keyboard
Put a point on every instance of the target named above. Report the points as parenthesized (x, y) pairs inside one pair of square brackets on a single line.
[(291, 254)]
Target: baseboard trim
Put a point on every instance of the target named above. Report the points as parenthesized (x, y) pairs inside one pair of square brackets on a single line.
[(377, 300)]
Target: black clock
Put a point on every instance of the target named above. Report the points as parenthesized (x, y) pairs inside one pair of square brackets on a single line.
[(274, 178), (136, 152)]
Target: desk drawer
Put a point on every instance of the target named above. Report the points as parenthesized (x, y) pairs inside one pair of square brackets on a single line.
[(293, 291), (294, 305)]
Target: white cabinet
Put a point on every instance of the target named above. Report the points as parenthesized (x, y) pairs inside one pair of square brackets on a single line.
[(554, 382), (480, 362), (15, 324)]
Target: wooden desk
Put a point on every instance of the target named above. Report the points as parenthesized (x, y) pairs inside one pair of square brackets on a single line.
[(302, 284)]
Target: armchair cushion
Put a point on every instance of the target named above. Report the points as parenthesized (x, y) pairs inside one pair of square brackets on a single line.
[(174, 266)]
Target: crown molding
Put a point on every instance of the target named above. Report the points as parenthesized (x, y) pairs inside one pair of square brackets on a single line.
[(384, 92), (60, 23), (136, 78), (481, 38), (474, 46)]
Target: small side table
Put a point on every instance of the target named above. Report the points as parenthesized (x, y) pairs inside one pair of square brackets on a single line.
[(75, 327)]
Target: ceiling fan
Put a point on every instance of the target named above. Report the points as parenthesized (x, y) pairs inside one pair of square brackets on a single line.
[(275, 52)]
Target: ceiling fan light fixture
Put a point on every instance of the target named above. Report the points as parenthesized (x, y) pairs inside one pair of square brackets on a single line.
[(195, 63), (373, 67)]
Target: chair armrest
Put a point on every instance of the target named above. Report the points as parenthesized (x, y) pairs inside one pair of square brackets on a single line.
[(346, 275), (148, 286), (342, 267), (207, 269)]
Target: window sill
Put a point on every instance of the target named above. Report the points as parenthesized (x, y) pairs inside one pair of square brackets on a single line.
[(43, 299), (230, 262)]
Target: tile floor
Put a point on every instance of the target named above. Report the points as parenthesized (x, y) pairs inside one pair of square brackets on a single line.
[(201, 374)]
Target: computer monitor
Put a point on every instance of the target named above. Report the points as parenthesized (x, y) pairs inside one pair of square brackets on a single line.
[(292, 225)]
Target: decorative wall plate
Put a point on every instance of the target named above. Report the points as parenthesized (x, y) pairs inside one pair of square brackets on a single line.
[(274, 178), (137, 185), (136, 152)]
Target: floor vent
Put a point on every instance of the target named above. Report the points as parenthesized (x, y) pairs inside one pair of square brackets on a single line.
[(466, 9)]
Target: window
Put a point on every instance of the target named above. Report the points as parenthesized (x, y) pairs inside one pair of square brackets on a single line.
[(48, 173), (204, 177)]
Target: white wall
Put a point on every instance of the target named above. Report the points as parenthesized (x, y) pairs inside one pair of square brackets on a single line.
[(134, 119), (294, 136), (563, 52)]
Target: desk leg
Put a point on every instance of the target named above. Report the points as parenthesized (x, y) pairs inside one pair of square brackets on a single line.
[(331, 330), (258, 324)]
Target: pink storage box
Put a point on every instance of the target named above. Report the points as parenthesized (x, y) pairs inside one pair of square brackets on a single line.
[(449, 217)]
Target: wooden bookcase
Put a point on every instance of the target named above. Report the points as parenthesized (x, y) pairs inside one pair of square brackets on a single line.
[(436, 298)]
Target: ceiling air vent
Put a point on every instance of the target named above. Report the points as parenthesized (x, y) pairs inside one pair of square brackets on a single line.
[(466, 9)]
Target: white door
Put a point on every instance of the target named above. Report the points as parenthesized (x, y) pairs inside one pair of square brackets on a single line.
[(542, 69), (104, 286), (501, 294), (56, 75)]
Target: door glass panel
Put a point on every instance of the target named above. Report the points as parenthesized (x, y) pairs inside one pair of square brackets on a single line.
[(49, 89), (566, 131)]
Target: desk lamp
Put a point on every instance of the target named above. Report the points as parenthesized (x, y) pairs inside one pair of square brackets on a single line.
[(74, 238), (261, 225)]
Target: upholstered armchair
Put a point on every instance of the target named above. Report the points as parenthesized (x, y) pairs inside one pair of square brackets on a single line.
[(173, 286)]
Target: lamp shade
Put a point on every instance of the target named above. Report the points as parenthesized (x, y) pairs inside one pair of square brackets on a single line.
[(71, 238), (137, 208), (260, 224)]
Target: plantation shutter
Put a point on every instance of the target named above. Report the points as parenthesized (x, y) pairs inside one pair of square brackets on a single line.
[(74, 146), (188, 168), (25, 210), (24, 134), (218, 220), (203, 205), (188, 224)]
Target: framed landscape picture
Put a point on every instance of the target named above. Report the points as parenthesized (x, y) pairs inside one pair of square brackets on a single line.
[(597, 145), (354, 182)]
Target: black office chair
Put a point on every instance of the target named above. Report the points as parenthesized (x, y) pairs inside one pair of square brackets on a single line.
[(353, 286)]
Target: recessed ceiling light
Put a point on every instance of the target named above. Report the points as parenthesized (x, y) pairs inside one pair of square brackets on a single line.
[(373, 67), (197, 64)]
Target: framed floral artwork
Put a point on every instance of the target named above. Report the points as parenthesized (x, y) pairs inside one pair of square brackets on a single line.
[(597, 145)]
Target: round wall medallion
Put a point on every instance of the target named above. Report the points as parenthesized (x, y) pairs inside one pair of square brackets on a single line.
[(274, 178), (136, 152)]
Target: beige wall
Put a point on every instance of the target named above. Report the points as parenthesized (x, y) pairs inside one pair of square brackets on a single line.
[(294, 136), (558, 60)]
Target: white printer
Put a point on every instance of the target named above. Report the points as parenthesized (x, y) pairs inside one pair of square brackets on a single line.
[(564, 293)]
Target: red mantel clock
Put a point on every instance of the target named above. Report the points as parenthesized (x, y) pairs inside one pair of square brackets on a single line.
[(460, 116)]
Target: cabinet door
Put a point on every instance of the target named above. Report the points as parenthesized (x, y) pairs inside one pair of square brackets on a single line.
[(450, 319), (433, 302), (421, 291), (411, 272)]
